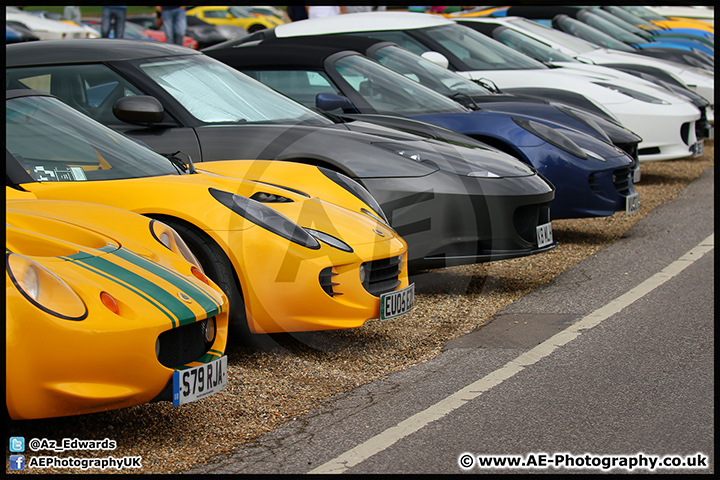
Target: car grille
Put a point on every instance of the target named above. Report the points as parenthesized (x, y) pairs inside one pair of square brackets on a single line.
[(685, 133), (621, 180), (183, 345), (528, 217), (381, 276), (326, 281)]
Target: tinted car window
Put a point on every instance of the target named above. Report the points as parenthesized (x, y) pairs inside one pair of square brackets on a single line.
[(426, 72), (480, 52), (56, 143), (401, 38), (92, 89), (300, 85), (390, 93)]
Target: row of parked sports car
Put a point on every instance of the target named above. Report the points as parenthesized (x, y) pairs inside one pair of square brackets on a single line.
[(161, 200)]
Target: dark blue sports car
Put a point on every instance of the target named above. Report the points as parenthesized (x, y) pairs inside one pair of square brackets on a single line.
[(592, 176)]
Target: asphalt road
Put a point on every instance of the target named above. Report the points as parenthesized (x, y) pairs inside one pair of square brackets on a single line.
[(613, 360)]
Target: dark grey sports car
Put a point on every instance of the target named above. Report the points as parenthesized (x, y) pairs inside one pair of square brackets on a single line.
[(455, 200)]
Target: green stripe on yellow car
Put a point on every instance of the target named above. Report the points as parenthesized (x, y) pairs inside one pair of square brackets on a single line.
[(209, 304), (141, 286)]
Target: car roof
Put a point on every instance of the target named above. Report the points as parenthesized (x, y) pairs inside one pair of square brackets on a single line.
[(361, 22), (50, 52), (308, 51)]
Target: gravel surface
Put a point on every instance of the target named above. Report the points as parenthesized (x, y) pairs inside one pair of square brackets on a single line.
[(293, 373)]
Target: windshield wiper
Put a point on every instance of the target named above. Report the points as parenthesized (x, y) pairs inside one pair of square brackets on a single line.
[(465, 100), (488, 84), (179, 164)]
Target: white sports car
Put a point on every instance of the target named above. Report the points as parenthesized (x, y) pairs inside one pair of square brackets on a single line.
[(700, 81), (520, 34), (664, 121)]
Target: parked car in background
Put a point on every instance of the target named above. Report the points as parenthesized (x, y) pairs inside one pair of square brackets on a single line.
[(104, 309), (136, 31), (453, 199), (665, 122), (205, 34), (557, 18), (666, 32), (46, 29), (17, 32), (474, 96), (237, 15), (279, 13), (509, 31), (697, 80), (293, 247), (591, 177), (668, 20)]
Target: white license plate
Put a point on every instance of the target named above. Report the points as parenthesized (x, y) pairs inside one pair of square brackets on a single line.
[(632, 203), (394, 304), (699, 148), (636, 174), (544, 235), (199, 382)]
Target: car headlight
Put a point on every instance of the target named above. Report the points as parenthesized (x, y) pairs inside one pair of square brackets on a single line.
[(266, 218), (552, 136), (330, 240), (356, 189), (171, 240), (44, 289), (585, 118), (643, 97)]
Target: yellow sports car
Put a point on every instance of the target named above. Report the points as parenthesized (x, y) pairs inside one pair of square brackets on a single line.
[(238, 16), (104, 310), (295, 247)]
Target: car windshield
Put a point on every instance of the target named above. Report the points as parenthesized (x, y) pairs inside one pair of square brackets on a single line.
[(586, 32), (240, 12), (645, 13), (606, 27), (390, 93), (621, 23), (54, 142), (566, 40), (430, 74), (479, 52), (631, 18), (214, 93), (529, 46)]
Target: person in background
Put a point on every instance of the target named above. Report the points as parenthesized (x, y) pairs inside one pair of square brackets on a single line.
[(297, 12), (362, 8), (72, 13), (317, 11), (174, 22), (113, 20)]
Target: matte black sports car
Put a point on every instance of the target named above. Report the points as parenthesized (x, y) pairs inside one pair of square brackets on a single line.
[(453, 199)]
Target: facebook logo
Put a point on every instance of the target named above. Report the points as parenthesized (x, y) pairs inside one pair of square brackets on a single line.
[(17, 444), (17, 462)]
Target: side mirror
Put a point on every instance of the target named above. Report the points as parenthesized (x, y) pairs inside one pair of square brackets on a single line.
[(139, 110), (331, 101), (437, 58)]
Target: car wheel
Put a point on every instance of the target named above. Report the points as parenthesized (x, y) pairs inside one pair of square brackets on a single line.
[(219, 269), (255, 28)]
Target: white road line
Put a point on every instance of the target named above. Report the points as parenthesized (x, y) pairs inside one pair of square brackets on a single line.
[(383, 440)]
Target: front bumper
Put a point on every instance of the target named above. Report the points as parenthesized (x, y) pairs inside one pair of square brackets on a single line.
[(453, 220)]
